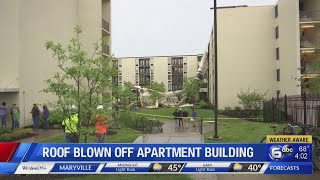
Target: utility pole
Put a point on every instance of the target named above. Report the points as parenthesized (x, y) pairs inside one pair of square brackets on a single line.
[(215, 71)]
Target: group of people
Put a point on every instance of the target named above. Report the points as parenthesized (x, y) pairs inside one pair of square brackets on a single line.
[(14, 112), (35, 111), (70, 126), (15, 116), (179, 115)]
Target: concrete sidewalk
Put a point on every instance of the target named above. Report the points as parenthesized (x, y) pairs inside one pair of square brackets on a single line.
[(174, 138)]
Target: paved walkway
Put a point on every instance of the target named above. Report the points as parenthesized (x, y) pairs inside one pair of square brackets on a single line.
[(171, 134)]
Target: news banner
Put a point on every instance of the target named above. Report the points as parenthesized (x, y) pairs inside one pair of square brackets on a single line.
[(279, 155)]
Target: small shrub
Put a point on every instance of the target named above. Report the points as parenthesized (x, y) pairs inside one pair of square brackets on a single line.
[(17, 134), (4, 130), (56, 117), (251, 100), (203, 104), (237, 108), (227, 108), (125, 119)]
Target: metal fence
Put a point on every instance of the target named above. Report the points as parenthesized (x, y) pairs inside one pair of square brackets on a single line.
[(295, 109)]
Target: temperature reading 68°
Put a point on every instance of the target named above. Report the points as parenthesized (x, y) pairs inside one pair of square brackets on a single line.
[(303, 148)]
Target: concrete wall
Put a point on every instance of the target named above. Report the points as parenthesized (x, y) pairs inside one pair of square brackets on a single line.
[(289, 44), (128, 70), (161, 70), (90, 21), (192, 66), (9, 44), (37, 25), (25, 64), (245, 52)]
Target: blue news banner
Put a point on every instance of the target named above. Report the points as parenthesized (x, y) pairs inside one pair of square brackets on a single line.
[(33, 158)]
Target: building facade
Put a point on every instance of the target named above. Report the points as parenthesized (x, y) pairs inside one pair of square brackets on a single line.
[(169, 70), (265, 48), (25, 27)]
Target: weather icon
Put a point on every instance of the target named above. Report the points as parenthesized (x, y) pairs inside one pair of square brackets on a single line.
[(157, 167), (237, 167)]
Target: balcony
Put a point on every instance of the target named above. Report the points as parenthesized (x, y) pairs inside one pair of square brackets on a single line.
[(309, 44), (105, 26), (309, 16), (105, 49), (308, 69)]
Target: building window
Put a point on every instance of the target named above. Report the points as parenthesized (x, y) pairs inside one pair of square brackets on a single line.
[(169, 77), (152, 78), (278, 53), (278, 74), (185, 69), (277, 32), (120, 78), (276, 11)]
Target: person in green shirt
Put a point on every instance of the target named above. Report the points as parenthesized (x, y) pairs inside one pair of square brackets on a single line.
[(15, 116), (70, 128)]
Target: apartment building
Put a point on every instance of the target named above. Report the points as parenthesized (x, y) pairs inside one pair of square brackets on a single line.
[(25, 26), (267, 48), (169, 70)]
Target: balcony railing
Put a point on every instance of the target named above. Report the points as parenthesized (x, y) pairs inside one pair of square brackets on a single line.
[(307, 16), (305, 43), (105, 49), (105, 25), (308, 69)]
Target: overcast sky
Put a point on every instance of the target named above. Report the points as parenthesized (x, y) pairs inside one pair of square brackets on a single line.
[(165, 27)]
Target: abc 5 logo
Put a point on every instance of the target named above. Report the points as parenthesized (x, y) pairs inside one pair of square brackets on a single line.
[(277, 152)]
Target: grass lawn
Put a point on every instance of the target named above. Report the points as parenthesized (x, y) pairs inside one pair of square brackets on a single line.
[(242, 131), (205, 113), (124, 135)]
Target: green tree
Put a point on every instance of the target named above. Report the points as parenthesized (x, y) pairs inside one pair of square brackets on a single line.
[(251, 100), (191, 89), (125, 95), (82, 81), (156, 91), (313, 67)]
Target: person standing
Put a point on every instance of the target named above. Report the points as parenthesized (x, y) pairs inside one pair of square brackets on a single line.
[(70, 125), (176, 117), (15, 117), (185, 118), (45, 115), (12, 120), (194, 117), (180, 114), (35, 116), (3, 114), (101, 125)]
